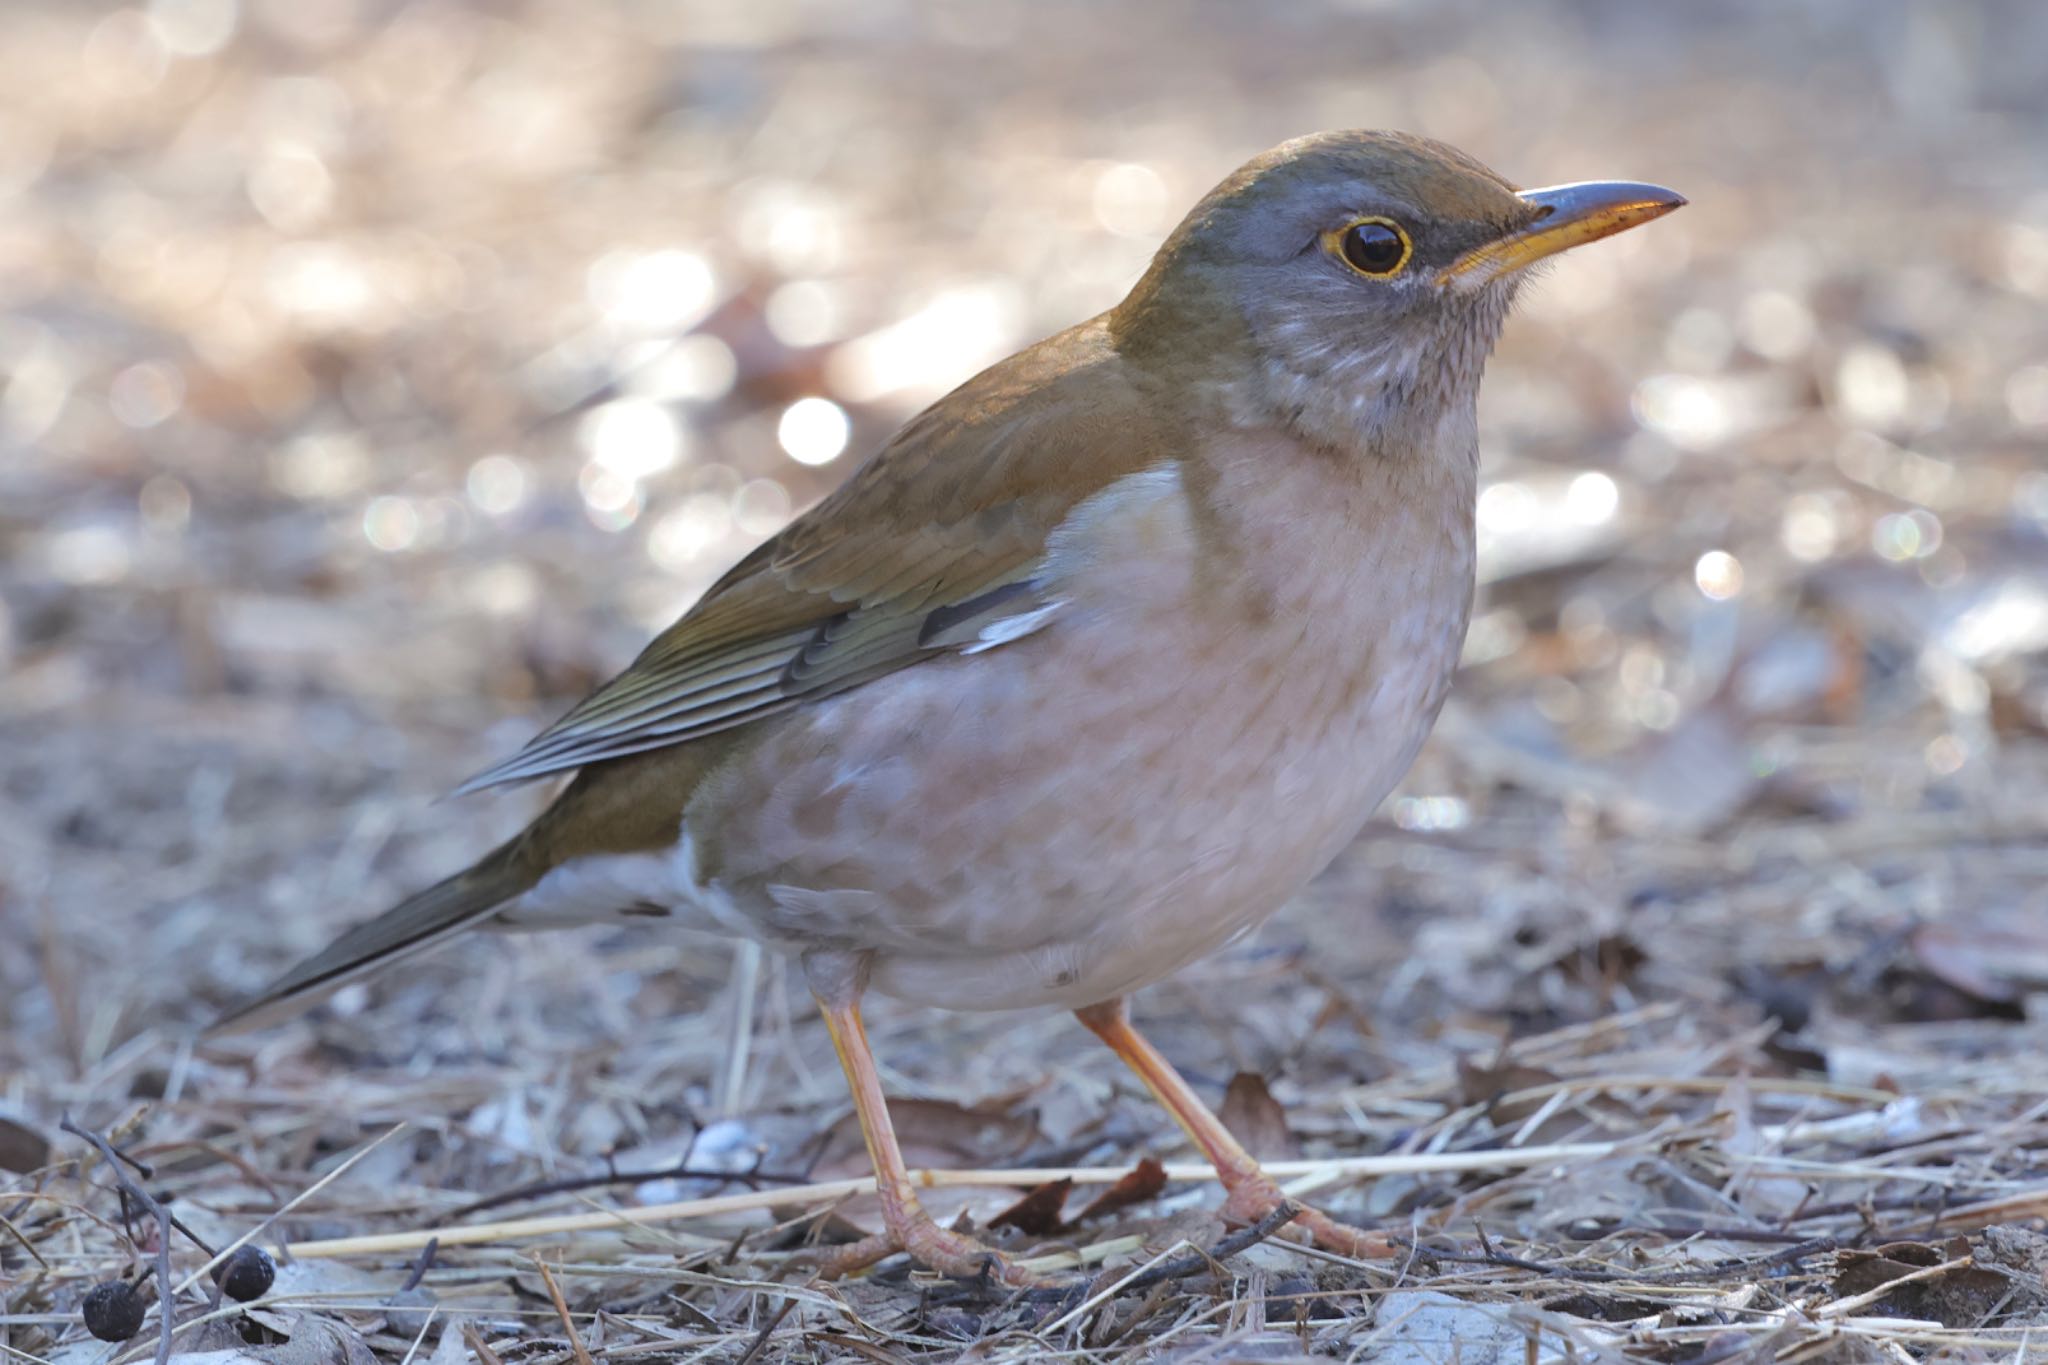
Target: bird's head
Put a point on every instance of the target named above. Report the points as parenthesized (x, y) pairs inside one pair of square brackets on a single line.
[(1351, 284)]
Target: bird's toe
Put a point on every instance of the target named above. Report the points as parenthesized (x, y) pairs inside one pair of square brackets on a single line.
[(949, 1253), (1255, 1199)]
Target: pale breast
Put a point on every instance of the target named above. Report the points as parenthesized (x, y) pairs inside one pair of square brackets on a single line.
[(1232, 680)]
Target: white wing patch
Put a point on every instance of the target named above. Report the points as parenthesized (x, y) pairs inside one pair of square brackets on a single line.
[(1008, 628), (1148, 503), (1133, 517)]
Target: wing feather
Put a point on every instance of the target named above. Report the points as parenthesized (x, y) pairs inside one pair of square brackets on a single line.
[(930, 548)]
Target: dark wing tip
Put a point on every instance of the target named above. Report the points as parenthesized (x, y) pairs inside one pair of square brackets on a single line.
[(413, 925)]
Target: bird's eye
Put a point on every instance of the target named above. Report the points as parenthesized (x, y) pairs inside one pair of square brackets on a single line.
[(1371, 246)]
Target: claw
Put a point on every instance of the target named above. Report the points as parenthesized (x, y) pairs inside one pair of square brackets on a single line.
[(836, 981), (1253, 1198), (949, 1253)]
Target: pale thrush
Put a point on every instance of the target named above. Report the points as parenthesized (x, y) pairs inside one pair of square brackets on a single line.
[(1092, 666)]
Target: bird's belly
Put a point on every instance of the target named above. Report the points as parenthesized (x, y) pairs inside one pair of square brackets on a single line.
[(1190, 737), (1069, 817)]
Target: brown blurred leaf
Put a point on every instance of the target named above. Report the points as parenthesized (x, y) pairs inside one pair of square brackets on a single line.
[(1256, 1119), (1141, 1182), (2016, 714), (1037, 1213), (1484, 1084), (1843, 701), (1860, 1271), (1971, 962), (939, 1133), (1962, 1297), (1605, 963), (22, 1148)]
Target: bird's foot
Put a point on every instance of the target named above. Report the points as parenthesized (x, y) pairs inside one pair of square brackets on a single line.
[(1254, 1197), (936, 1248)]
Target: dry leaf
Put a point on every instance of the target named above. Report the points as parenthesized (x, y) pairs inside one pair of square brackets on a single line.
[(936, 1133), (314, 1341), (1256, 1119), (1961, 1298), (1971, 962), (1142, 1182), (22, 1148), (1037, 1213), (1486, 1084)]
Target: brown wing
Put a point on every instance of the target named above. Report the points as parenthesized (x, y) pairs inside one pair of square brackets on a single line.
[(929, 544)]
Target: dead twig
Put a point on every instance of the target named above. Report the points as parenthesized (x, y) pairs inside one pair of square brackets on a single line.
[(753, 1179), (115, 1159), (164, 1224), (760, 1342), (1517, 1158), (1487, 1255), (547, 1277)]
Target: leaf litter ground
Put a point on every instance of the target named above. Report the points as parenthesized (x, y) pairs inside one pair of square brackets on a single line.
[(1683, 1006)]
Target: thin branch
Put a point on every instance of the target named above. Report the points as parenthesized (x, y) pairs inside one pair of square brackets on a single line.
[(825, 1192), (547, 1277), (115, 1158), (301, 1197), (753, 1179), (1241, 1240), (760, 1342), (1691, 1275), (165, 1300)]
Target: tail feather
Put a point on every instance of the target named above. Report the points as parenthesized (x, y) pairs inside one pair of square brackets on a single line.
[(413, 925)]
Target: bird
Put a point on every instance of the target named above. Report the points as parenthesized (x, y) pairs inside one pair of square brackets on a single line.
[(1088, 669)]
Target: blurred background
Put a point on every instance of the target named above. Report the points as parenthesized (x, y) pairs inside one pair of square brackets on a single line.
[(376, 376)]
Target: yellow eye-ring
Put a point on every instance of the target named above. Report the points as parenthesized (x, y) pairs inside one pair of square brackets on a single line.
[(1371, 246)]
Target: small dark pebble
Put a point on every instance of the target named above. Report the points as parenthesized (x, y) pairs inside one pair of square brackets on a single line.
[(245, 1275), (113, 1311)]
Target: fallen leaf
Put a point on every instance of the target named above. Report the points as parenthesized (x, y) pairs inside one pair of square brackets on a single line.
[(1486, 1084), (1037, 1213), (937, 1133), (1142, 1182), (1965, 961), (314, 1341), (1604, 964), (1256, 1119), (1962, 1297), (22, 1148)]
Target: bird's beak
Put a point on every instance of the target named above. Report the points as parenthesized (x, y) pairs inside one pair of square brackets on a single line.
[(1570, 215)]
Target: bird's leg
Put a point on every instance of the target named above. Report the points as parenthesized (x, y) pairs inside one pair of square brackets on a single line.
[(836, 981), (1252, 1193)]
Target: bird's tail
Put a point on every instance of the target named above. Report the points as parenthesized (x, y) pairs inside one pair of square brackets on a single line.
[(413, 925)]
